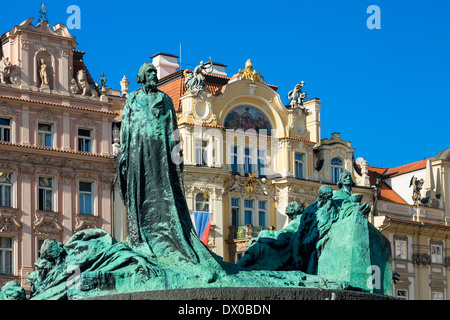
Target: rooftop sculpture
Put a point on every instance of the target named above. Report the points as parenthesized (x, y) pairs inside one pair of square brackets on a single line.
[(195, 81), (328, 244), (297, 96)]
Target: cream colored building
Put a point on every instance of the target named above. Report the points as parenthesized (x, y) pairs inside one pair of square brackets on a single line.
[(56, 155), (419, 233), (243, 175)]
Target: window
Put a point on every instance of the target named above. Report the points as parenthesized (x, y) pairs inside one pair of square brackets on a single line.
[(337, 167), (86, 197), (5, 189), (234, 159), (235, 212), (202, 202), (402, 294), (437, 295), (84, 140), (298, 163), (262, 213), (401, 249), (45, 194), (262, 166), (247, 161), (201, 152), (45, 135), (436, 253), (5, 130), (248, 211), (6, 255)]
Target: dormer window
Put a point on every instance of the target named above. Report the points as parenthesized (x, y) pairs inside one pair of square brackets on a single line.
[(337, 167)]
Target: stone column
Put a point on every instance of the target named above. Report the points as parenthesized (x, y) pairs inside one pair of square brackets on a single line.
[(106, 137), (66, 132), (64, 71), (67, 200), (27, 226), (25, 70), (106, 213), (25, 126), (218, 220)]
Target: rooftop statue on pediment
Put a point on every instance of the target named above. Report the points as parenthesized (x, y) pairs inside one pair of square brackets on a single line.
[(195, 81), (297, 96), (250, 74)]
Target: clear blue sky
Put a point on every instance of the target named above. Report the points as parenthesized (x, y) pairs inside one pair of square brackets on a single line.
[(386, 90)]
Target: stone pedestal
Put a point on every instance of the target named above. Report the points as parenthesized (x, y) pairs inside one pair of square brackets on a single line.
[(247, 294), (45, 88)]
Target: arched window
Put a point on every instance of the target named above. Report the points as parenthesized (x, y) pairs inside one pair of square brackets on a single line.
[(337, 167), (202, 202)]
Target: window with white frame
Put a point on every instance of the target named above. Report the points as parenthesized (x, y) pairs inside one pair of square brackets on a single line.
[(337, 167), (262, 213), (201, 152), (235, 212), (401, 247), (85, 140), (45, 135), (234, 159), (202, 202), (248, 211), (262, 163), (45, 194), (5, 130), (436, 253), (402, 294), (86, 197), (298, 165), (248, 168), (6, 255), (5, 189), (437, 295)]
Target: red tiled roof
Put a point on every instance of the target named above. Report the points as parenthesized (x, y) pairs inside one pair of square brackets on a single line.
[(173, 85), (387, 194), (407, 168)]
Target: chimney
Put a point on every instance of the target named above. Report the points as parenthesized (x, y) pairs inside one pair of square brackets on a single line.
[(165, 64), (219, 69)]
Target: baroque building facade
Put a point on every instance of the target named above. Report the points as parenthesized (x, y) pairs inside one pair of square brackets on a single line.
[(412, 211), (56, 150)]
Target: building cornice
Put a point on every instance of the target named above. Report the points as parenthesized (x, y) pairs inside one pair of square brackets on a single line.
[(60, 105), (52, 151)]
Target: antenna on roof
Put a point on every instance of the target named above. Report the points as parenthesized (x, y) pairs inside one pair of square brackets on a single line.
[(180, 57)]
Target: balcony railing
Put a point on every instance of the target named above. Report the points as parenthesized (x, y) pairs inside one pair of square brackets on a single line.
[(246, 232)]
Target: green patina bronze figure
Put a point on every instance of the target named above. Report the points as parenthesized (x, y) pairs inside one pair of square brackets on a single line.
[(329, 244), (150, 182)]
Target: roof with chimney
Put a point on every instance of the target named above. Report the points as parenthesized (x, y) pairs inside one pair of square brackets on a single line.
[(173, 85)]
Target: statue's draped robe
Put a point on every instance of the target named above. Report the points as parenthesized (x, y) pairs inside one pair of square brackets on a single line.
[(150, 181)]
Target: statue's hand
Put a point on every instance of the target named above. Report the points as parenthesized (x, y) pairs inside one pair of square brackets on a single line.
[(365, 209)]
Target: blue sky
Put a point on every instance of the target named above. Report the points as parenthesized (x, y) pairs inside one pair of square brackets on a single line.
[(386, 90)]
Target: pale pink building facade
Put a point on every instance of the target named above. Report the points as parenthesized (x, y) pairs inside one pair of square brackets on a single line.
[(57, 166)]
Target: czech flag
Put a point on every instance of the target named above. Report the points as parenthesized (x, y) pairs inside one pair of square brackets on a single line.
[(203, 225)]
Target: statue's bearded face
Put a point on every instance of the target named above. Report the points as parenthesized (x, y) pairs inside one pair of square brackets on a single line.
[(347, 179), (151, 78)]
